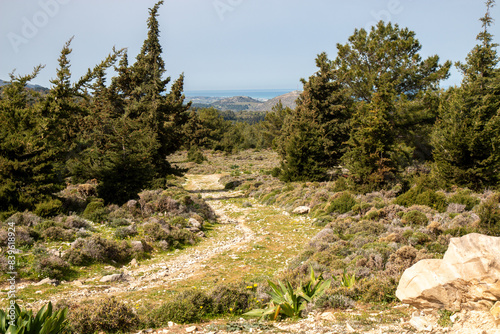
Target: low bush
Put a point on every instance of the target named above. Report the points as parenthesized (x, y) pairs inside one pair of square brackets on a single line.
[(489, 214), (48, 208), (57, 233), (337, 301), (98, 249), (52, 266), (95, 211), (195, 155), (414, 218), (125, 232), (230, 299), (342, 204), (419, 195), (463, 197), (188, 307), (106, 315), (24, 219)]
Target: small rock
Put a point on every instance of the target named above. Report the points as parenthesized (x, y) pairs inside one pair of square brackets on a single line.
[(134, 263), (327, 316), (38, 292), (171, 324), (349, 328), (454, 317), (301, 210), (194, 223), (48, 281), (114, 278), (420, 323), (191, 329), (109, 268), (77, 283), (495, 311)]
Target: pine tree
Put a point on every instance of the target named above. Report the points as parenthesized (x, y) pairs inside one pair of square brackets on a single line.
[(393, 87), (29, 173), (467, 135), (370, 157), (313, 138)]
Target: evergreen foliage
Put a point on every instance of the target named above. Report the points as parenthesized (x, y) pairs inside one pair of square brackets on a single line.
[(396, 94), (466, 136), (313, 136)]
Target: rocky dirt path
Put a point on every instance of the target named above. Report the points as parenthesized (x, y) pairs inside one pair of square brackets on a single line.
[(179, 265)]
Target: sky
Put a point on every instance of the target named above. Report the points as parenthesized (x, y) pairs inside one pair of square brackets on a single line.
[(225, 44)]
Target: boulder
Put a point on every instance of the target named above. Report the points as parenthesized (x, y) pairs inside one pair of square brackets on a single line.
[(194, 223), (468, 276), (48, 280), (114, 278), (301, 210)]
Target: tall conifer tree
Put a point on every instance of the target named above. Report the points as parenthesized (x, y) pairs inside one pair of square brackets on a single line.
[(467, 135)]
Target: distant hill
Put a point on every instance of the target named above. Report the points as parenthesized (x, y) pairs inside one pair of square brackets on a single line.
[(245, 103), (37, 88), (288, 100)]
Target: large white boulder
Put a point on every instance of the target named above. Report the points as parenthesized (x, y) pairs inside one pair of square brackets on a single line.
[(467, 277)]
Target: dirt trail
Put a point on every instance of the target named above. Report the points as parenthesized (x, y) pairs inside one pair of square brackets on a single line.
[(181, 264)]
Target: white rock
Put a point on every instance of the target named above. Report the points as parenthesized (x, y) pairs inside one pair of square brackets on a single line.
[(420, 323), (191, 329), (48, 281), (468, 276), (301, 210), (194, 223), (114, 278)]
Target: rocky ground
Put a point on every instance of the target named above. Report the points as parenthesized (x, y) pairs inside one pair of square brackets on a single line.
[(231, 253)]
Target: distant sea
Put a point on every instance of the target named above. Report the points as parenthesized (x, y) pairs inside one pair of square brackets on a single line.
[(259, 94)]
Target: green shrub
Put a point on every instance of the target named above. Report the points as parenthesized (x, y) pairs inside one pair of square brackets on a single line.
[(414, 217), (188, 307), (57, 233), (195, 155), (108, 315), (421, 196), (229, 299), (24, 219), (378, 289), (52, 266), (95, 211), (125, 232), (117, 222), (97, 249), (154, 231), (463, 197), (489, 214), (48, 208), (342, 204), (337, 301)]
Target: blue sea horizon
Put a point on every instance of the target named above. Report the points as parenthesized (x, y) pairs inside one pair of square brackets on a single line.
[(253, 93)]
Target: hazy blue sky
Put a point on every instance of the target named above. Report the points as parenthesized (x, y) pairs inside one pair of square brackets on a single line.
[(225, 44)]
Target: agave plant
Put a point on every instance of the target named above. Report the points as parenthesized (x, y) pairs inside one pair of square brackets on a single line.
[(347, 280), (288, 303), (45, 322)]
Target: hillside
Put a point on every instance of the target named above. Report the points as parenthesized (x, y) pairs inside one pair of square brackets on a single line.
[(245, 103), (37, 88)]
